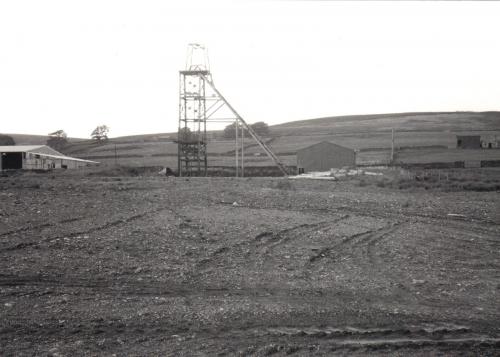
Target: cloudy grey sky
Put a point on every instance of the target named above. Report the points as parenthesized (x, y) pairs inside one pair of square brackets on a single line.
[(73, 65)]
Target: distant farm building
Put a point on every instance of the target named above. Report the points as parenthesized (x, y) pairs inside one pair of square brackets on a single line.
[(468, 142), (324, 156), (489, 142), (37, 157)]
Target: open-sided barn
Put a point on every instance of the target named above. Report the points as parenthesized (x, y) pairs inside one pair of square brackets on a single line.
[(37, 157)]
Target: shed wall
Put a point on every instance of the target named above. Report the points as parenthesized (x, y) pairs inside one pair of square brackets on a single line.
[(324, 157), (35, 162), (469, 142)]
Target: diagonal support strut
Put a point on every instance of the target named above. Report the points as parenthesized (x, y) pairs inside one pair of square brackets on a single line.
[(252, 132)]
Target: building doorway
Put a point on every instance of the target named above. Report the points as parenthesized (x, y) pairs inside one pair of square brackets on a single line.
[(12, 160)]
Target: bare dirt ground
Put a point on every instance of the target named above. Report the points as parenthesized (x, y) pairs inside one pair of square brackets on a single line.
[(186, 267)]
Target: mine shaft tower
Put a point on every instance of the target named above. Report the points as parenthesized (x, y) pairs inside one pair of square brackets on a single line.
[(201, 103), (192, 131)]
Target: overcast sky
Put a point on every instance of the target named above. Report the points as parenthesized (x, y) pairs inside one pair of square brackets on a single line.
[(74, 65)]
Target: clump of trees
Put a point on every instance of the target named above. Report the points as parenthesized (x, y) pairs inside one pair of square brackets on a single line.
[(260, 127), (57, 140), (100, 133), (6, 140), (185, 135)]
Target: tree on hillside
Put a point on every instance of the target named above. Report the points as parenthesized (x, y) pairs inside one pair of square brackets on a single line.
[(185, 135), (261, 128), (57, 140), (100, 133), (6, 140), (229, 131), (59, 134)]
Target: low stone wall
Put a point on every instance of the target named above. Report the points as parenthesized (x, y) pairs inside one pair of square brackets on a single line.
[(490, 163), (435, 165), (250, 171), (453, 165)]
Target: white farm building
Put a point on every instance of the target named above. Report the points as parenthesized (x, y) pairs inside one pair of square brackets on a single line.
[(37, 157)]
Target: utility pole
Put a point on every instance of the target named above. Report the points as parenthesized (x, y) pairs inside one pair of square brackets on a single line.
[(392, 146), (236, 151), (242, 152)]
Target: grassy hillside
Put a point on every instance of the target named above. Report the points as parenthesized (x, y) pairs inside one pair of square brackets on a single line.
[(418, 137), (415, 135), (427, 122), (27, 139)]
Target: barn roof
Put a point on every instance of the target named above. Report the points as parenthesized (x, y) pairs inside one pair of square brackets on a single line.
[(42, 150), (20, 148), (325, 143)]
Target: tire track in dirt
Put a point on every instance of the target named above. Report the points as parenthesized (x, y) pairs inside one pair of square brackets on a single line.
[(487, 228), (265, 241), (418, 343), (261, 249), (39, 226), (361, 245), (462, 234), (281, 339), (285, 235), (55, 285), (410, 336), (367, 345), (382, 268), (449, 335), (369, 249), (353, 241), (480, 224), (154, 288), (166, 335), (425, 329), (105, 226), (352, 337)]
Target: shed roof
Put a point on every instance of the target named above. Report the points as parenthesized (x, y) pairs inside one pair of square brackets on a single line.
[(38, 150), (62, 157), (20, 148), (325, 143)]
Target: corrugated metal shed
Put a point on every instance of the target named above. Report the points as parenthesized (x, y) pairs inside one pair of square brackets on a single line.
[(37, 157), (42, 150), (323, 156), (469, 141)]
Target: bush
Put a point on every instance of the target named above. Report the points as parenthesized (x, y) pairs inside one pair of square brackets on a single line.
[(362, 183), (57, 143), (284, 184), (380, 184)]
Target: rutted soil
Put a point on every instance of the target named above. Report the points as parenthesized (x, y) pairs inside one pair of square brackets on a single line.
[(172, 266)]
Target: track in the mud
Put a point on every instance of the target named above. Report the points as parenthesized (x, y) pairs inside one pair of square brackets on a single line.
[(277, 273)]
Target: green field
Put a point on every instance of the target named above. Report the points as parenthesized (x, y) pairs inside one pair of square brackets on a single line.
[(419, 137)]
